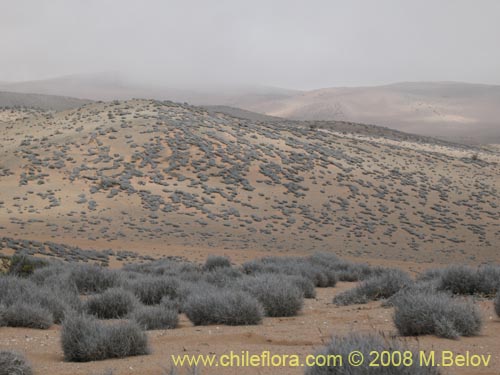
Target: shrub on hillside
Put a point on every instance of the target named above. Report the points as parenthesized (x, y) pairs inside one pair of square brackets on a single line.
[(374, 288), (13, 364), (427, 313), (151, 289), (366, 344), (156, 317), (223, 306), (277, 293), (111, 304), (216, 261), (84, 339)]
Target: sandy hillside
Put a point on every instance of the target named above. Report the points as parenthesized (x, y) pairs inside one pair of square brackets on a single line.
[(152, 177)]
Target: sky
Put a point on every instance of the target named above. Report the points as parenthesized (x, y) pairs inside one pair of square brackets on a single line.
[(283, 43)]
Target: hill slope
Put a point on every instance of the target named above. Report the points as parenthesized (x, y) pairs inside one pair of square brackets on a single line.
[(39, 101), (143, 175), (459, 112)]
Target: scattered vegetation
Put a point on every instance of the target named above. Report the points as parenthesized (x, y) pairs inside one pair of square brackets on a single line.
[(152, 294)]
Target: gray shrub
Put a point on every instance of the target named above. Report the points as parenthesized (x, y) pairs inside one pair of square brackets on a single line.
[(113, 303), (427, 313), (156, 317), (279, 295), (223, 306), (377, 287), (216, 261), (57, 298), (12, 363), (93, 279), (29, 315), (465, 280), (151, 289), (84, 339)]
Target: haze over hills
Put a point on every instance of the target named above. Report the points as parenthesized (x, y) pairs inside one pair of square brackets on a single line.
[(459, 112), (142, 175), (108, 87), (455, 111)]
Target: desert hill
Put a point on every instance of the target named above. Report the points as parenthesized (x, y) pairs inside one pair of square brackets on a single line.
[(39, 101), (146, 175)]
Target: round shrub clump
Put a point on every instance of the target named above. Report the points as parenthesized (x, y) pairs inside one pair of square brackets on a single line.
[(223, 306), (84, 339), (156, 317), (279, 295), (427, 313), (13, 364), (112, 304)]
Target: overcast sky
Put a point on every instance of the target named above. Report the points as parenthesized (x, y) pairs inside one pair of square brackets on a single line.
[(295, 44)]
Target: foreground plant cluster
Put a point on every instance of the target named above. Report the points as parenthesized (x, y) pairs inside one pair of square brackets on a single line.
[(104, 313)]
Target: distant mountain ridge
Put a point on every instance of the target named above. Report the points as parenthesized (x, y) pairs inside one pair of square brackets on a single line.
[(463, 112), (39, 101)]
